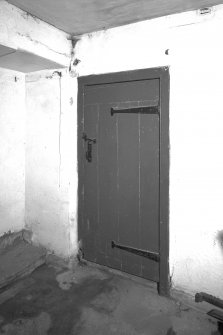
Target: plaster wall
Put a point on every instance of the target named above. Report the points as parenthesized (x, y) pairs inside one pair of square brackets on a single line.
[(196, 129), (51, 175), (34, 111), (12, 151), (38, 180), (196, 122), (21, 31)]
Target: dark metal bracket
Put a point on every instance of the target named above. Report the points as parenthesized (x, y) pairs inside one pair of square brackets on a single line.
[(89, 141), (136, 110), (214, 313), (201, 296), (154, 256)]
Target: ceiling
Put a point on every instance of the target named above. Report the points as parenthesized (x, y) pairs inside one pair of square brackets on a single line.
[(83, 16)]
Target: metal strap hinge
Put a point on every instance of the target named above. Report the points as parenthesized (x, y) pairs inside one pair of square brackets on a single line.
[(144, 253)]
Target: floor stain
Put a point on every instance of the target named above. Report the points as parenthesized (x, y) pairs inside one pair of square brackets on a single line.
[(171, 332), (67, 278), (34, 326), (89, 301)]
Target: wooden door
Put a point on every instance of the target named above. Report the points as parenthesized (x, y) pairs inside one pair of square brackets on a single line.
[(119, 169)]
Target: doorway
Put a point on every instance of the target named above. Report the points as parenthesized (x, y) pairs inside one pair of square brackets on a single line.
[(123, 166)]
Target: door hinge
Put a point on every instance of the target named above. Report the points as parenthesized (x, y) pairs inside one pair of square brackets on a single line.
[(136, 110), (154, 256)]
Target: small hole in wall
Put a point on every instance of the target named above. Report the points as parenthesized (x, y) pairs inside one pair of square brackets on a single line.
[(76, 61), (205, 11)]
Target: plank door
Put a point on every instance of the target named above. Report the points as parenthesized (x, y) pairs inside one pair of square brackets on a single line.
[(119, 170)]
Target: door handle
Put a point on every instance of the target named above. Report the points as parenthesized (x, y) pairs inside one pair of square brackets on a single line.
[(89, 141)]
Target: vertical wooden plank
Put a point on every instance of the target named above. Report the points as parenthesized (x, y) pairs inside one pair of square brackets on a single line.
[(80, 148), (128, 150), (90, 188), (149, 77), (163, 286), (107, 150), (81, 165), (149, 191)]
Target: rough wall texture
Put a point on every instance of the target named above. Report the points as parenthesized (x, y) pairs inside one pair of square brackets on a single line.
[(19, 30), (38, 174), (48, 210), (12, 151), (50, 161), (196, 182), (196, 122)]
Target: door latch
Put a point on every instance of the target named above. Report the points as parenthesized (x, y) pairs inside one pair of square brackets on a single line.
[(89, 141)]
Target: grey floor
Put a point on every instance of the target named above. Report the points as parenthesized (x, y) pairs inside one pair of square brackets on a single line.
[(92, 301)]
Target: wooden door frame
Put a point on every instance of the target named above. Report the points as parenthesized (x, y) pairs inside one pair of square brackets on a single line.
[(161, 73)]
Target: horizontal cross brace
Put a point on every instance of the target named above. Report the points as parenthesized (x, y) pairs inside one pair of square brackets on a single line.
[(144, 253), (136, 110)]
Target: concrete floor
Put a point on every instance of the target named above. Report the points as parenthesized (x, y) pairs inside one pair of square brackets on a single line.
[(91, 301)]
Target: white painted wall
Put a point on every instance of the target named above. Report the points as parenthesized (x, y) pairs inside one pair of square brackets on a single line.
[(196, 129), (196, 136), (48, 209), (19, 30), (51, 173), (12, 151)]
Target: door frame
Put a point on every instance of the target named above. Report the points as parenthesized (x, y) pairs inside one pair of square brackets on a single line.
[(161, 73)]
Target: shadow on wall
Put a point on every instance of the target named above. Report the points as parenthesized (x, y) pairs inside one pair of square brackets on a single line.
[(219, 239)]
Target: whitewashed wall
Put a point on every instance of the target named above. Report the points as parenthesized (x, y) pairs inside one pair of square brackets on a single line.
[(20, 30), (30, 112), (12, 151), (196, 136), (51, 171), (196, 129)]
